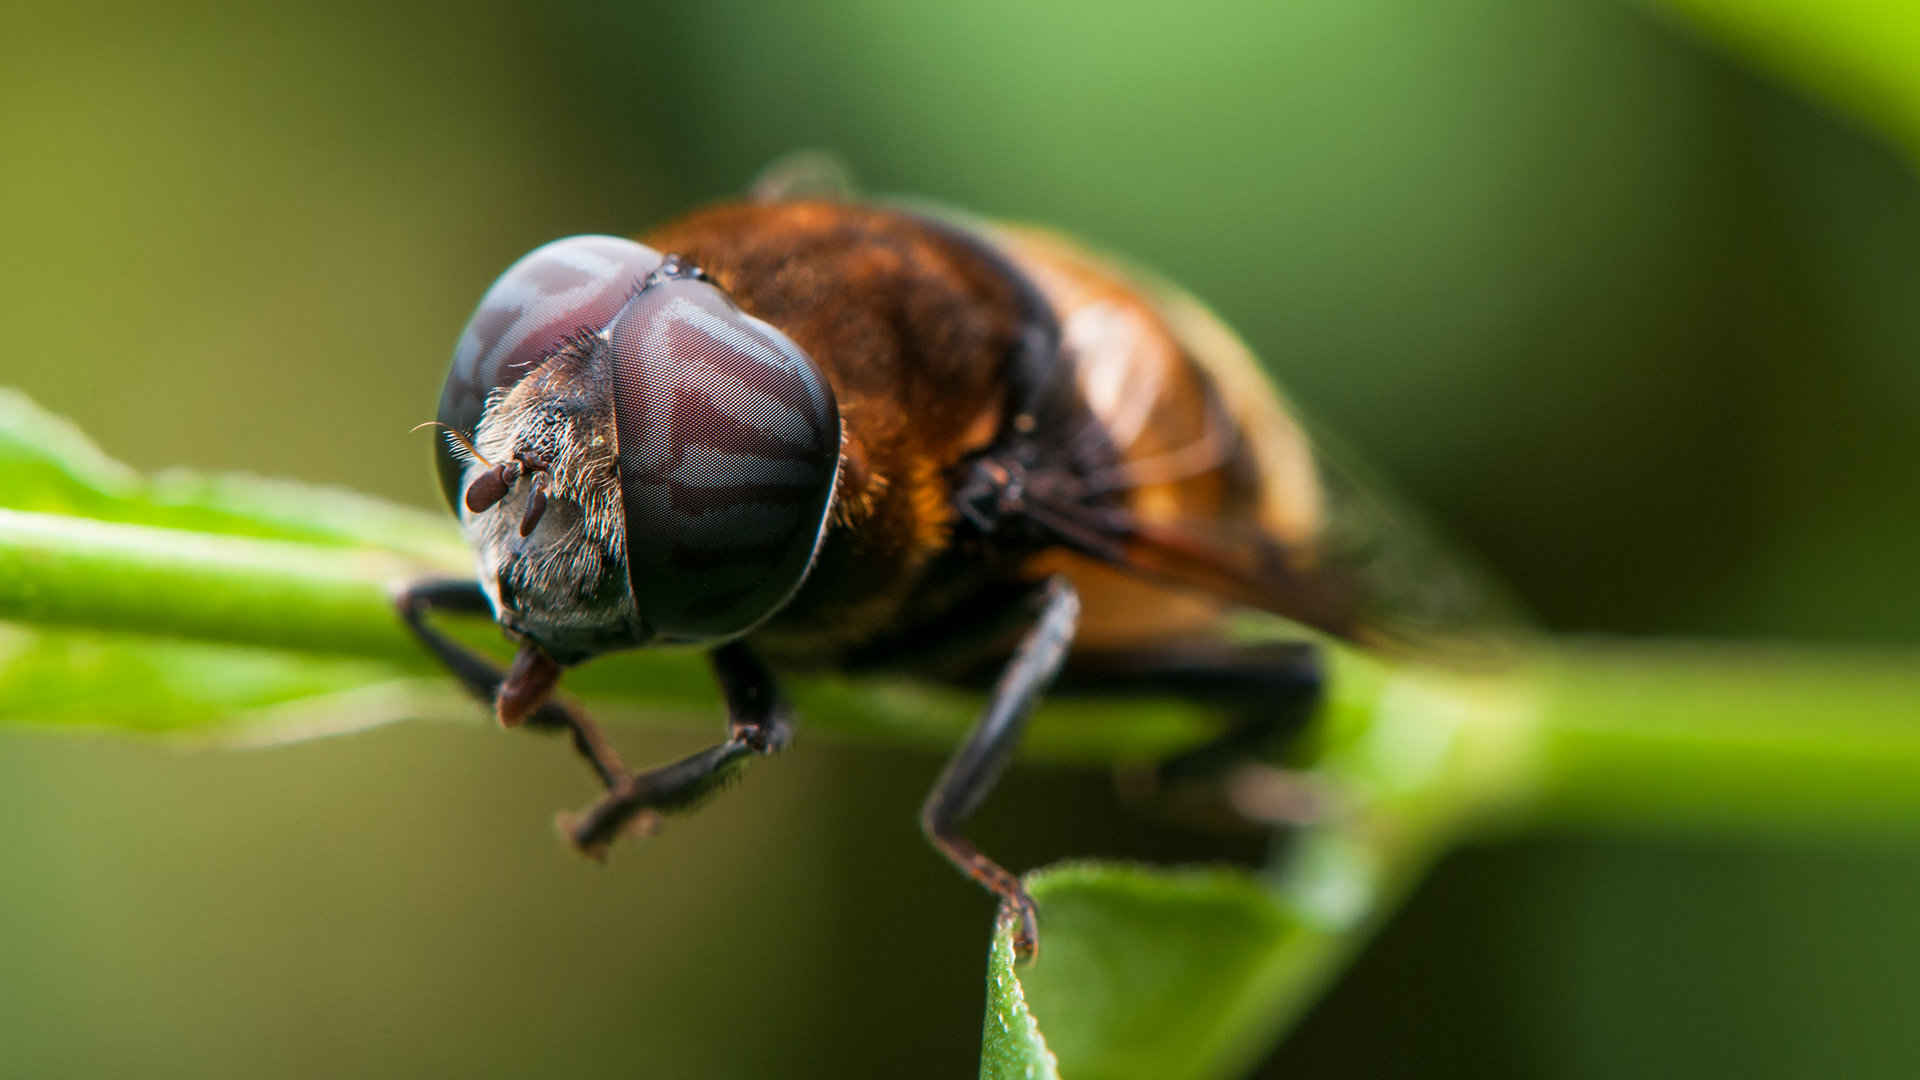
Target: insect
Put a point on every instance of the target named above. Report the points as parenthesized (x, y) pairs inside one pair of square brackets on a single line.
[(806, 433)]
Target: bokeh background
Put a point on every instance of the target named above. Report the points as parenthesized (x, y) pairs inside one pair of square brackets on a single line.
[(1633, 319)]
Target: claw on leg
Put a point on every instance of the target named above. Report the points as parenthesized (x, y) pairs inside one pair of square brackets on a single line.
[(758, 721), (574, 826), (1017, 912), (637, 801), (974, 768)]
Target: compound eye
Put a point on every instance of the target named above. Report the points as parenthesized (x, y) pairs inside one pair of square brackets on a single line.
[(558, 289), (729, 446)]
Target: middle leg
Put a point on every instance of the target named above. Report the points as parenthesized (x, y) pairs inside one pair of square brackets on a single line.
[(758, 723), (1268, 691)]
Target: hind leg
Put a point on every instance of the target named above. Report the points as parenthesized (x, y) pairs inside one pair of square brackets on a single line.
[(1270, 691)]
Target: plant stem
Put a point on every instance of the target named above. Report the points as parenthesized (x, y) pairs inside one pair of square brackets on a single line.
[(1600, 734), (65, 571), (1729, 737)]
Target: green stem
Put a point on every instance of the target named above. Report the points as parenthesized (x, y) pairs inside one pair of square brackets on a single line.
[(1581, 733), (64, 572), (1672, 735), (1645, 735), (57, 570)]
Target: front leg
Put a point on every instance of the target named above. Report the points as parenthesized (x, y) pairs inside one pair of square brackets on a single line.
[(757, 724), (977, 765), (523, 694)]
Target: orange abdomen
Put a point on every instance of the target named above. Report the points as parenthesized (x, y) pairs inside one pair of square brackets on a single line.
[(1201, 438)]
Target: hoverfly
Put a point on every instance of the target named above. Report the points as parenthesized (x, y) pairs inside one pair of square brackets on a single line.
[(809, 432)]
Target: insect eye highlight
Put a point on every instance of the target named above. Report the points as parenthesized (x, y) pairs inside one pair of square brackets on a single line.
[(729, 447)]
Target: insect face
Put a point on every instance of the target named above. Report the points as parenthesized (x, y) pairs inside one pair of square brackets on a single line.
[(698, 523)]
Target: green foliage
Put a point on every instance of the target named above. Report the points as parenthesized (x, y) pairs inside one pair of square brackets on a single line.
[(241, 605), (1146, 974), (1860, 53), (93, 550), (256, 611)]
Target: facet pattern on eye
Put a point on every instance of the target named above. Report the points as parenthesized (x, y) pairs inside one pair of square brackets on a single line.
[(729, 448), (566, 287)]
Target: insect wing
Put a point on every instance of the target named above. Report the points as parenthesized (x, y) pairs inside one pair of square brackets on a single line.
[(1284, 524), (810, 175)]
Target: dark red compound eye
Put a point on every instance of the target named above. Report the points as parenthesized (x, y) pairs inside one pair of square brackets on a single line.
[(729, 445), (566, 287)]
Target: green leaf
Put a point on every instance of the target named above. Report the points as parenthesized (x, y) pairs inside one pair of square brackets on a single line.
[(1011, 1047), (1144, 974), (47, 466), (1860, 54), (249, 611), (77, 680), (1194, 972)]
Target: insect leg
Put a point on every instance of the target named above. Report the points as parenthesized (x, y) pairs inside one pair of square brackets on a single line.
[(974, 769), (757, 724), (484, 681), (1269, 689)]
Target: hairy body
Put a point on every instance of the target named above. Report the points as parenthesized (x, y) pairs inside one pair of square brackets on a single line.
[(915, 330), (1016, 455)]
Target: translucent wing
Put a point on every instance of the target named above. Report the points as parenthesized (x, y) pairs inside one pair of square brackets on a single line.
[(803, 175), (1223, 488)]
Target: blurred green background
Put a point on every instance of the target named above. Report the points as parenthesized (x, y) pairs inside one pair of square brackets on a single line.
[(1632, 319)]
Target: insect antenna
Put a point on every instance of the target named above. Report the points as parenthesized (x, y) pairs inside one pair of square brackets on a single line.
[(491, 486), (458, 439)]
